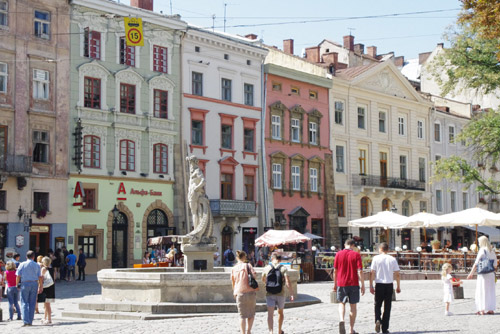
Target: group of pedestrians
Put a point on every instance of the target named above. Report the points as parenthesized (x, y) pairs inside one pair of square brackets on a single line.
[(65, 262)]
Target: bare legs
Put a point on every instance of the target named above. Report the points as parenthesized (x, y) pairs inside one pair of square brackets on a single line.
[(244, 323), (48, 313), (352, 314)]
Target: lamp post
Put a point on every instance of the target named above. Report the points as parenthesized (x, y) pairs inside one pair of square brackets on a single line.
[(26, 217), (115, 213)]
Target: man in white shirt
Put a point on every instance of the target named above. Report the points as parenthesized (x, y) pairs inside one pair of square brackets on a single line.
[(383, 270)]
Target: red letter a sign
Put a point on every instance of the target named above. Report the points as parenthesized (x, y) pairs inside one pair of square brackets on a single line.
[(121, 189)]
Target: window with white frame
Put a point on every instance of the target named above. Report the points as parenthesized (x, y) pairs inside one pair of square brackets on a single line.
[(339, 161), (277, 174), (465, 200), (41, 146), (276, 127), (160, 59), (401, 126), (197, 83), (405, 208), (451, 134), (339, 112), (313, 179), (226, 89), (437, 132), (248, 92), (313, 133), (439, 200), (295, 178), (420, 129), (381, 121), (4, 13), (295, 124), (361, 118), (403, 172), (3, 77), (42, 24), (127, 53), (453, 201), (41, 84)]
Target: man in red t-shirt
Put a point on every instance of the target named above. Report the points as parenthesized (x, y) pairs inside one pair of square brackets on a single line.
[(348, 277)]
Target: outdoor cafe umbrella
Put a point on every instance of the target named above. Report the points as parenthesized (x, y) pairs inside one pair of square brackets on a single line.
[(274, 238), (421, 220), (384, 219)]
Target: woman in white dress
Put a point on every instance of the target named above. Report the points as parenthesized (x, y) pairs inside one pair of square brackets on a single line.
[(485, 286)]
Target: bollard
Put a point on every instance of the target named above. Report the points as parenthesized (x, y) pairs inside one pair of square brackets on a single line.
[(458, 292), (333, 297), (419, 263)]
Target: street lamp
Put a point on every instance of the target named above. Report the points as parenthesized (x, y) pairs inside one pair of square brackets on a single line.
[(115, 213)]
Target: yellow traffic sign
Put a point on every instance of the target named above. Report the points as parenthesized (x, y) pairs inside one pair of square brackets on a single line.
[(133, 31)]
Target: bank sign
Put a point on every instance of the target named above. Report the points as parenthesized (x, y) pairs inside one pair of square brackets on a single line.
[(140, 192)]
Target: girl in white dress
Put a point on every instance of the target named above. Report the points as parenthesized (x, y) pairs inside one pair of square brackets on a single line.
[(447, 287), (485, 286)]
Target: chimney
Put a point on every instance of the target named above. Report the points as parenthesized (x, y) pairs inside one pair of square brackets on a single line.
[(399, 61), (422, 57), (359, 48), (288, 46), (251, 36), (349, 42), (440, 45), (331, 58), (312, 54), (143, 4), (371, 51)]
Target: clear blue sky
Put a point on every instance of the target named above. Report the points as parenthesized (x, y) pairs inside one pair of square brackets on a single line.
[(406, 35)]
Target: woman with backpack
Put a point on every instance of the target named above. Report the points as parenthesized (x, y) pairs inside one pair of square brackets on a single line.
[(245, 295)]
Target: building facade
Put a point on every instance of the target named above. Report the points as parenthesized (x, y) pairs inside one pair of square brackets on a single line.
[(34, 100), (125, 117), (221, 113), (297, 144), (380, 129)]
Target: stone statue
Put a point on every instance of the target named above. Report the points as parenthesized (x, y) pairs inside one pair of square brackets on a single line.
[(203, 222)]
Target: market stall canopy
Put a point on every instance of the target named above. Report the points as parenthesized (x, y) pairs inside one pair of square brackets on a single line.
[(312, 236), (383, 219), (280, 237), (468, 217), (163, 240)]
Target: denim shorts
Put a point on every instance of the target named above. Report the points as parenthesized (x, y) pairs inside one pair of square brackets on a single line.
[(348, 294), (274, 300)]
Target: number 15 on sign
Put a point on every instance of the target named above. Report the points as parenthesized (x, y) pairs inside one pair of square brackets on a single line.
[(133, 31)]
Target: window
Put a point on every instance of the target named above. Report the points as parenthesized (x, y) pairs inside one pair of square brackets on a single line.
[(339, 112), (423, 206), (313, 133), (420, 129), (196, 49), (127, 53), (277, 176), (92, 151), (295, 178), (40, 202), (386, 204), (160, 103), (197, 83), (364, 206), (381, 121), (361, 118), (437, 132), (421, 169), (160, 162), (339, 163), (249, 140), (439, 200), (127, 98), (92, 93), (401, 126), (42, 24), (226, 186), (249, 62), (248, 91), (405, 208), (437, 157), (362, 162), (295, 90), (295, 130), (41, 146), (226, 56), (197, 132), (3, 145), (89, 202), (160, 60), (226, 136), (3, 77), (313, 179), (341, 205), (3, 200), (226, 89), (249, 188), (403, 173), (465, 200), (453, 201), (40, 85), (127, 155), (276, 127), (276, 87), (88, 245), (313, 95), (451, 134), (4, 13), (91, 44)]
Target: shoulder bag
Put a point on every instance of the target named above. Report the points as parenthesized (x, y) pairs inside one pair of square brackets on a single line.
[(47, 279), (485, 266), (251, 280)]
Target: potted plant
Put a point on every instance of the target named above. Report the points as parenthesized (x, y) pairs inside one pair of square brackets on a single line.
[(367, 261), (482, 200), (436, 244)]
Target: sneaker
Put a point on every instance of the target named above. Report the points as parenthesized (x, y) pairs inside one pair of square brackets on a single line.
[(448, 313), (377, 326), (341, 327)]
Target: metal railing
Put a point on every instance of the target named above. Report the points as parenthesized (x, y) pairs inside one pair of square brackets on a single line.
[(237, 208), (16, 164), (387, 182)]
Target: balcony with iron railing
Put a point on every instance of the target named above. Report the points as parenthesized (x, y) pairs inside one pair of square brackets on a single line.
[(233, 208), (16, 165), (387, 182)]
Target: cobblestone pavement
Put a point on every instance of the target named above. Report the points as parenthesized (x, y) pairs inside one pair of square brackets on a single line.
[(418, 310)]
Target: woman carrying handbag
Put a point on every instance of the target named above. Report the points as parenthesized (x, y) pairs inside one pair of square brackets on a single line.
[(49, 292)]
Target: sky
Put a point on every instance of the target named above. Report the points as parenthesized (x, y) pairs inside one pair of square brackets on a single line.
[(407, 35)]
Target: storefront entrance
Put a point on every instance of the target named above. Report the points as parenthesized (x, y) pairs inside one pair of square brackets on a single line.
[(249, 234), (119, 242), (40, 239)]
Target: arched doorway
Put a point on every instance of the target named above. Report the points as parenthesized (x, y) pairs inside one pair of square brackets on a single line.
[(157, 223), (119, 241)]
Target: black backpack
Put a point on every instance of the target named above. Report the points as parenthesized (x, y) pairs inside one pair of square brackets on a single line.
[(274, 281), (230, 256)]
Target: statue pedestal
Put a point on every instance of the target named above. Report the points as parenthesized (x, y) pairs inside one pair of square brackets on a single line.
[(198, 257)]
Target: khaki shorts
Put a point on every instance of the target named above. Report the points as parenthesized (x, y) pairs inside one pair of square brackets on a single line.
[(274, 300)]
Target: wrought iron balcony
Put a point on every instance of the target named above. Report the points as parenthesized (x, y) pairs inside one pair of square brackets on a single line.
[(17, 165), (387, 182), (234, 208)]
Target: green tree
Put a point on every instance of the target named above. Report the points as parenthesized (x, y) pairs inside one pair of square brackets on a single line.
[(481, 137)]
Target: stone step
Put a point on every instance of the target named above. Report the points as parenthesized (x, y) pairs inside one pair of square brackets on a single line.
[(110, 315)]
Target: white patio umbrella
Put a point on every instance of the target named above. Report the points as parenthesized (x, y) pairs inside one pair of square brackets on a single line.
[(384, 219), (421, 220)]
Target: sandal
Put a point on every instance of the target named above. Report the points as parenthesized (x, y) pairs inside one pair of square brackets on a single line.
[(490, 312)]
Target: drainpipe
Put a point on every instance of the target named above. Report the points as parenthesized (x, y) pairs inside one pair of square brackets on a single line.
[(263, 143), (181, 140)]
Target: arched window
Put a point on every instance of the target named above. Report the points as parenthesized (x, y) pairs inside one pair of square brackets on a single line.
[(406, 208), (160, 162), (127, 155), (92, 151), (157, 223), (386, 204), (365, 203)]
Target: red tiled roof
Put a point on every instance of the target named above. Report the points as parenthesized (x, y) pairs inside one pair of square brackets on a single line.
[(353, 72)]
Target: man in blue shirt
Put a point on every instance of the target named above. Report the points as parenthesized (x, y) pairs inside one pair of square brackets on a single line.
[(71, 261), (30, 276)]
